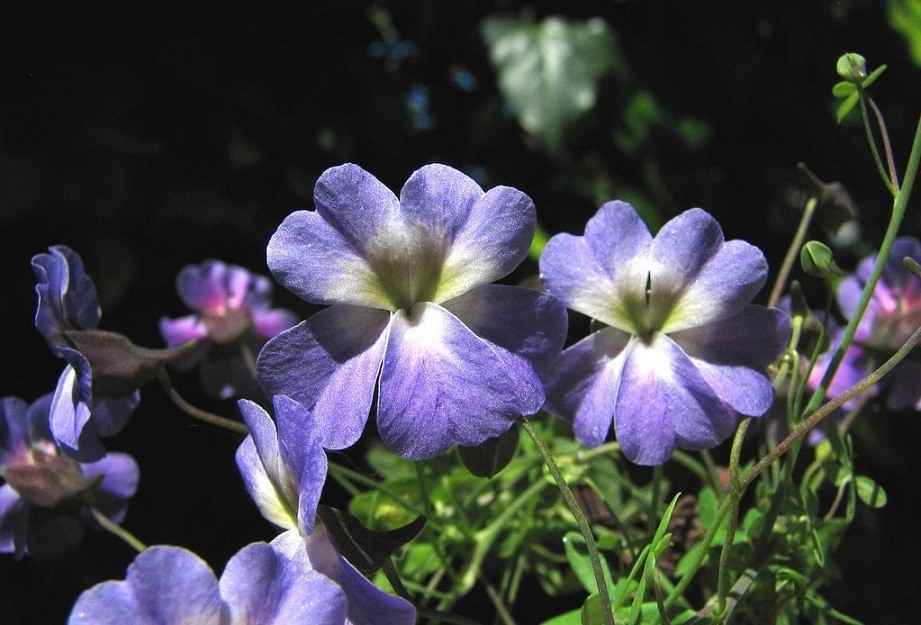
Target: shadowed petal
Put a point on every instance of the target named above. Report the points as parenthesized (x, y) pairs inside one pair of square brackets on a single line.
[(262, 587), (441, 385), (14, 428), (225, 375), (164, 586), (330, 364), (321, 264), (367, 604), (905, 390), (582, 386), (12, 514), (119, 476), (528, 323), (663, 402), (732, 354), (66, 295)]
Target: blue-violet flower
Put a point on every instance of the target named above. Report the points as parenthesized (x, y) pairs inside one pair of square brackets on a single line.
[(82, 411), (234, 320), (284, 470), (43, 503), (455, 359), (683, 351), (168, 585)]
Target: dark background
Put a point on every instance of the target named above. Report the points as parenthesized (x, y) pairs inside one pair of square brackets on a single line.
[(150, 137)]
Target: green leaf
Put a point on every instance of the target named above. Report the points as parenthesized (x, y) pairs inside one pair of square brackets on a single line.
[(549, 72), (591, 612), (573, 617), (581, 563), (876, 73), (843, 89), (905, 19), (870, 492), (847, 106), (491, 456), (365, 549)]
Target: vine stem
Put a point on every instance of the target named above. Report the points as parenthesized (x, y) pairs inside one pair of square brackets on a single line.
[(606, 612), (393, 577), (898, 211), (793, 251), (815, 418), (735, 494), (194, 411), (117, 530)]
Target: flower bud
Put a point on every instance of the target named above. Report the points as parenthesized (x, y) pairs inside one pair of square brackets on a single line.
[(852, 67)]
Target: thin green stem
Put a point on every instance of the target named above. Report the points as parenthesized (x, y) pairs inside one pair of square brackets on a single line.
[(501, 610), (898, 211), (816, 417), (887, 146), (735, 495), (868, 130), (194, 411), (117, 530), (654, 498), (606, 612), (793, 251)]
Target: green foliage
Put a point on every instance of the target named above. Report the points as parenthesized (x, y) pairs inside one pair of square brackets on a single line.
[(549, 72), (905, 19)]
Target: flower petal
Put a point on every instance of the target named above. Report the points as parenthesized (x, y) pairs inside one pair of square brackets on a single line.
[(321, 264), (663, 402), (697, 277), (203, 287), (523, 321), (14, 428), (269, 323), (487, 234), (66, 295), (731, 355), (582, 387), (367, 604), (119, 475), (329, 363), (303, 456), (262, 586), (905, 389), (164, 585), (182, 330), (441, 385), (12, 511), (226, 374), (616, 237)]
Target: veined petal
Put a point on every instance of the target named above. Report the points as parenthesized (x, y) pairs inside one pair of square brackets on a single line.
[(303, 456), (731, 355), (262, 468), (110, 603), (617, 237), (663, 402), (696, 277), (487, 234), (441, 385), (570, 271), (68, 420), (582, 386), (523, 321), (321, 264), (330, 364), (262, 587)]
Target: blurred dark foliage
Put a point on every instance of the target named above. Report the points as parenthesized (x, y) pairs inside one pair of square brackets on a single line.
[(151, 136)]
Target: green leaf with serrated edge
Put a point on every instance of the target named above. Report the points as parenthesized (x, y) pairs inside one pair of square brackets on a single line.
[(366, 549), (870, 492), (847, 106), (843, 89), (581, 563), (549, 72)]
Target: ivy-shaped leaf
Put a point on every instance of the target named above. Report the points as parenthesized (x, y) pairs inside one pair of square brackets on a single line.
[(549, 72)]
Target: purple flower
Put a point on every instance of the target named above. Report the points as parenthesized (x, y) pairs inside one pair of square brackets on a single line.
[(284, 471), (84, 409), (893, 313), (233, 321), (44, 488), (455, 359), (171, 586), (683, 351)]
